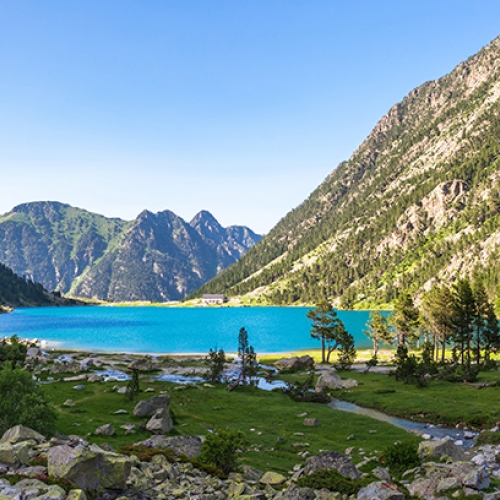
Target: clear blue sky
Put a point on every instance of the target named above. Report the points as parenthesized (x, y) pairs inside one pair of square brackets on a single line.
[(238, 107)]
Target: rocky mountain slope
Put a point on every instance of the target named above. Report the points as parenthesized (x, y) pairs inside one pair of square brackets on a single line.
[(155, 257), (417, 203)]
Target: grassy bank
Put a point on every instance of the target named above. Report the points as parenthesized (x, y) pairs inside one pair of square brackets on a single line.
[(268, 419), (441, 402)]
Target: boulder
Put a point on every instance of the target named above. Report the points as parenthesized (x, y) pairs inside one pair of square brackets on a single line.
[(161, 422), (311, 422), (35, 471), (19, 433), (272, 478), (295, 363), (438, 477), (294, 492), (328, 461), (148, 407), (382, 473), (142, 364), (185, 445), (76, 495), (105, 430), (448, 483), (31, 488), (435, 450), (34, 352), (89, 468), (332, 380), (69, 403), (14, 455), (381, 491), (478, 479)]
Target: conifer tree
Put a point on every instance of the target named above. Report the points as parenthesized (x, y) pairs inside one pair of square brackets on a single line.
[(405, 319), (378, 330)]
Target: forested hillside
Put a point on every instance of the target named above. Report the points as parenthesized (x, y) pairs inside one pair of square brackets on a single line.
[(155, 257), (16, 291), (417, 203)]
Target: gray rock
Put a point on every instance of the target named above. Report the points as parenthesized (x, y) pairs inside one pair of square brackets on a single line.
[(79, 387), (89, 468), (381, 491), (14, 455), (142, 364), (160, 422), (272, 478), (33, 472), (105, 430), (478, 479), (19, 433), (448, 483), (311, 422), (328, 461), (434, 450), (186, 445), (382, 473), (147, 407), (332, 380), (295, 363), (69, 403)]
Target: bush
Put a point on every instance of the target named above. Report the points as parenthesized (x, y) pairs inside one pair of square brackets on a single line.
[(22, 401), (215, 361), (220, 449), (334, 481), (400, 457), (304, 392)]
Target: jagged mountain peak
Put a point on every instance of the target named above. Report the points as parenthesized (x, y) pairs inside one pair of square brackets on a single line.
[(157, 256)]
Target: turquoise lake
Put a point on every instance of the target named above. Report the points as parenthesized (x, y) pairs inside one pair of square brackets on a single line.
[(172, 330)]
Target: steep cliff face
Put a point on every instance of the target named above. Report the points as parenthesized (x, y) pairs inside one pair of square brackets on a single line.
[(417, 202), (155, 257)]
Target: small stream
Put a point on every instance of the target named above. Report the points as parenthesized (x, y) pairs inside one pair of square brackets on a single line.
[(428, 431)]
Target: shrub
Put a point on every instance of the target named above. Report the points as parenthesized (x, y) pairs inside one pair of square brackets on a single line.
[(133, 386), (334, 481), (400, 457), (23, 401), (215, 361), (221, 448), (304, 392)]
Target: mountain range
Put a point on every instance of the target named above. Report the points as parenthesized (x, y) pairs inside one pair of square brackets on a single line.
[(417, 204), (157, 257)]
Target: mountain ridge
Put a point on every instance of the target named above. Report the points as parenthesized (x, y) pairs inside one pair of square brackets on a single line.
[(156, 257), (429, 165)]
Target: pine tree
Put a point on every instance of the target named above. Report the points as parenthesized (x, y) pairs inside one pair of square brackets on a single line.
[(248, 358), (405, 319), (378, 330), (463, 318)]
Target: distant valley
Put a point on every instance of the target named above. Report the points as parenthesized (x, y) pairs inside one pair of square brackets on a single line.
[(157, 257)]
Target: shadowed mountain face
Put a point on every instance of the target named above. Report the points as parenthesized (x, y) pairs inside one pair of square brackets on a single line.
[(156, 257), (417, 203)]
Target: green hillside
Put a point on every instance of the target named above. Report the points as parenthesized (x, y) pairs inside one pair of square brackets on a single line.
[(417, 203)]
